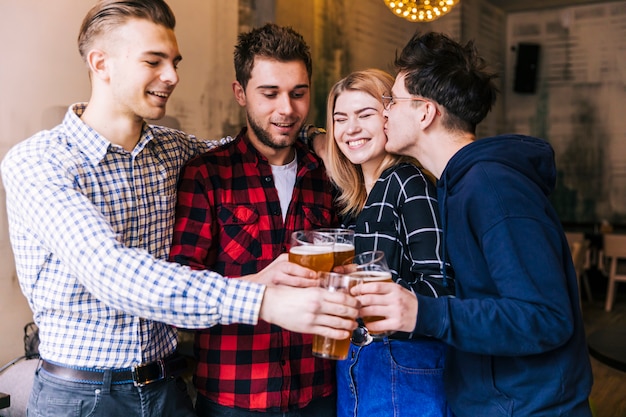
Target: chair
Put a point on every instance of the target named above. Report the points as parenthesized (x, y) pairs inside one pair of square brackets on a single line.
[(614, 251), (16, 377), (579, 248)]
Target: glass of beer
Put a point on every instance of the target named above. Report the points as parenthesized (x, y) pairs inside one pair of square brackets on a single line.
[(367, 267), (344, 243), (325, 347), (312, 249)]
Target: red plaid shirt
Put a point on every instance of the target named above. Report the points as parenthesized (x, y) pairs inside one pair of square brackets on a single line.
[(228, 219)]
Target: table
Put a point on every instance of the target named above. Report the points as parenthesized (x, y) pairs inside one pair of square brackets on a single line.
[(608, 345), (5, 400)]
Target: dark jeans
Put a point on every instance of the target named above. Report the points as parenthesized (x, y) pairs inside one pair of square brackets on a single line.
[(321, 407), (56, 397)]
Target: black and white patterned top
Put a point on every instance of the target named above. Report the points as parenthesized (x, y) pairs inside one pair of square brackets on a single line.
[(401, 218)]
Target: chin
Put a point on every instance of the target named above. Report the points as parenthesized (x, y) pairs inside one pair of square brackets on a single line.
[(154, 115), (390, 148)]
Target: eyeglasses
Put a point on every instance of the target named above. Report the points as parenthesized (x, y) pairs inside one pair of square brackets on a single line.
[(389, 101)]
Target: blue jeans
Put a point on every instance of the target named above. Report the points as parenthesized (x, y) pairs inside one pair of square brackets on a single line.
[(396, 378), (320, 407), (56, 397)]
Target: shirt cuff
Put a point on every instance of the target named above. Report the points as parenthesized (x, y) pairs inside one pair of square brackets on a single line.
[(242, 302)]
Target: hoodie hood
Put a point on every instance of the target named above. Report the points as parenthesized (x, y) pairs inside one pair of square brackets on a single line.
[(531, 157)]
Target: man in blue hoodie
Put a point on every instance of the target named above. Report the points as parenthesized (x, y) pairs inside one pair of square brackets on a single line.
[(515, 327)]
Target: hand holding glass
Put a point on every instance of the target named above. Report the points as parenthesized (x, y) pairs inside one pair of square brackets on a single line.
[(367, 267), (325, 347)]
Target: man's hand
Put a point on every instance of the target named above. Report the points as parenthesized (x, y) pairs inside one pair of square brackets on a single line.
[(390, 300), (310, 310), (283, 272)]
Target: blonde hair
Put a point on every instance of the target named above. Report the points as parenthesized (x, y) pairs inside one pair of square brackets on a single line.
[(344, 174)]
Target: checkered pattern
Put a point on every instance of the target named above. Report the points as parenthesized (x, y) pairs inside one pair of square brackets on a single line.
[(228, 219), (90, 225), (401, 218)]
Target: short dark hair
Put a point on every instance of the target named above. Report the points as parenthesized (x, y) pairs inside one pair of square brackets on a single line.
[(107, 14), (269, 41), (451, 74)]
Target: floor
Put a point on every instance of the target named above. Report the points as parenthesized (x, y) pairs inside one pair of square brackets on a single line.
[(608, 395)]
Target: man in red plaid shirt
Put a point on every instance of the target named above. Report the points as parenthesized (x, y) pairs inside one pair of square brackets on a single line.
[(237, 206)]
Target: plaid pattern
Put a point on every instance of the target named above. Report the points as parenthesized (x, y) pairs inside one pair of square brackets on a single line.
[(228, 219), (90, 225), (401, 218)]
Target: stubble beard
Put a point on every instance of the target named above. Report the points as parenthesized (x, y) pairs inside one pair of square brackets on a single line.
[(266, 138)]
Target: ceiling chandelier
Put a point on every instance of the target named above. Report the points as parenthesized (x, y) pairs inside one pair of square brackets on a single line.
[(420, 10)]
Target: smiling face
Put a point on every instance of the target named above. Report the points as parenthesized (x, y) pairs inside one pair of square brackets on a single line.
[(277, 99), (358, 128), (141, 59)]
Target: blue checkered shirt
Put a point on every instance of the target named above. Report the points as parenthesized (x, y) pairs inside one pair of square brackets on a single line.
[(90, 226)]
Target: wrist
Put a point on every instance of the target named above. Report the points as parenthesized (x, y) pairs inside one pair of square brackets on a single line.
[(312, 133)]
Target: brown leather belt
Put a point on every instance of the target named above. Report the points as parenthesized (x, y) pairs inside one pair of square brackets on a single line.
[(139, 375)]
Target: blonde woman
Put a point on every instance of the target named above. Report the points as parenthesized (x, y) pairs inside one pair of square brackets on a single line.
[(391, 204)]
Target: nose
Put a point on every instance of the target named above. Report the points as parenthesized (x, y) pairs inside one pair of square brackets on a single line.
[(353, 125), (169, 75), (284, 104)]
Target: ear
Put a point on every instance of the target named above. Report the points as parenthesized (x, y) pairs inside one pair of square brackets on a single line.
[(97, 63), (240, 93), (428, 114)]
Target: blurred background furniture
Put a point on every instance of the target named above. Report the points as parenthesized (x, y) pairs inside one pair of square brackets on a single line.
[(614, 250), (16, 377), (579, 248), (608, 345)]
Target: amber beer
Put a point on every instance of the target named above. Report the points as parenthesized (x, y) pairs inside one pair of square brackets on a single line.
[(315, 257), (372, 276), (325, 347), (343, 252), (344, 243)]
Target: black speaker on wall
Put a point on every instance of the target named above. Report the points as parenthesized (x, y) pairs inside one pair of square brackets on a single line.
[(526, 68)]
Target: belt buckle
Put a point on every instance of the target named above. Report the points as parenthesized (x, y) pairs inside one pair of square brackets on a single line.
[(138, 381)]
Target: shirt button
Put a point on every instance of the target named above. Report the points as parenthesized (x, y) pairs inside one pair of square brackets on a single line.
[(268, 179)]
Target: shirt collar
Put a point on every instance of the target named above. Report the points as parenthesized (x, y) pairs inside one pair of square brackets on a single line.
[(90, 142)]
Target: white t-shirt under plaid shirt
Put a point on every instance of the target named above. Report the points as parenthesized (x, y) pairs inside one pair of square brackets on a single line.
[(90, 226)]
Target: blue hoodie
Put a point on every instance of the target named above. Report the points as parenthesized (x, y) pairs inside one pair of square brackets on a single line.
[(515, 328)]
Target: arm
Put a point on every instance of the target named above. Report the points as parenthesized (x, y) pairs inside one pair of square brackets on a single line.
[(520, 292), (418, 213), (63, 243)]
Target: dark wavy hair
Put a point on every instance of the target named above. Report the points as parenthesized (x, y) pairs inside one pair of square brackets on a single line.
[(269, 41), (453, 75)]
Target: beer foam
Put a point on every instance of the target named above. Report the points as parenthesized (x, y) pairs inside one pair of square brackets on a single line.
[(343, 247), (311, 249), (369, 276)]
